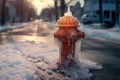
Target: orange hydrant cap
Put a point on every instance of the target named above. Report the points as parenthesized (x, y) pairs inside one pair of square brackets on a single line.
[(67, 20)]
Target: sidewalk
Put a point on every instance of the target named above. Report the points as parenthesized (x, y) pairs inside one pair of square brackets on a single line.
[(28, 61), (111, 34), (13, 26)]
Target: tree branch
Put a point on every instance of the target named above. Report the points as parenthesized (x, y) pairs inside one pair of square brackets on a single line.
[(69, 2)]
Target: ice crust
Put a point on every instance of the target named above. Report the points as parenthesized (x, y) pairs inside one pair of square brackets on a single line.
[(21, 60)]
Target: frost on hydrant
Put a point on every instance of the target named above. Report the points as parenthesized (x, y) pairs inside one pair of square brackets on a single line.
[(68, 37)]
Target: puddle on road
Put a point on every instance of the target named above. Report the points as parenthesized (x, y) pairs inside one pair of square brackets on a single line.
[(36, 39), (10, 38), (22, 35)]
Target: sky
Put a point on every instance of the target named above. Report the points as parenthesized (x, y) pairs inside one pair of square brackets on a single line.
[(40, 4)]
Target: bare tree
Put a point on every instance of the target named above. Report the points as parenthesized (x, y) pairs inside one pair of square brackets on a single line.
[(63, 5), (21, 11), (3, 13), (56, 9), (117, 12), (69, 2), (100, 11)]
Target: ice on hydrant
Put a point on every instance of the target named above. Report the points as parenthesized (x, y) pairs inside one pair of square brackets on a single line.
[(68, 13), (68, 34)]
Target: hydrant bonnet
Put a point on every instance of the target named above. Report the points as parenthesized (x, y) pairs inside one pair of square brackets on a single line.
[(68, 20)]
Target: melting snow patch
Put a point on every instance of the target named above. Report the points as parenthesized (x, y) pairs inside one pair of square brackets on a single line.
[(31, 61), (106, 34)]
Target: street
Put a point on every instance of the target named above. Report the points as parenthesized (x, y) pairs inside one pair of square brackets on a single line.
[(33, 32), (106, 53)]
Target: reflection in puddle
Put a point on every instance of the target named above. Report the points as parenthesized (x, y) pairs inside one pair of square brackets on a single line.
[(36, 39), (6, 37), (37, 34)]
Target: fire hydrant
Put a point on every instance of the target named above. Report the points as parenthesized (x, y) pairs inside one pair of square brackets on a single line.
[(67, 34)]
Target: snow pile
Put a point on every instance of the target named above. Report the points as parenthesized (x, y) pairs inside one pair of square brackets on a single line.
[(97, 32), (30, 61), (14, 25)]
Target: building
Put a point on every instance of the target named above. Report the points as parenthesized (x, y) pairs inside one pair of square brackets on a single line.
[(77, 10), (48, 14), (0, 8), (91, 10), (10, 10)]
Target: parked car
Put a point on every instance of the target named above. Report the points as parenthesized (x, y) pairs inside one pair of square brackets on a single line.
[(109, 24), (89, 19)]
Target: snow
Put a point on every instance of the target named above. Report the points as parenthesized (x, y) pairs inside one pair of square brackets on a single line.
[(37, 61), (13, 26), (29, 60), (96, 31), (68, 13)]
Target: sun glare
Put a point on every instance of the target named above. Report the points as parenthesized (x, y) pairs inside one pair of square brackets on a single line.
[(41, 4)]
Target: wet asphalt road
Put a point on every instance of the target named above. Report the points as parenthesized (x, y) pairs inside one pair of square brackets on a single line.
[(34, 32), (103, 52), (106, 53)]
